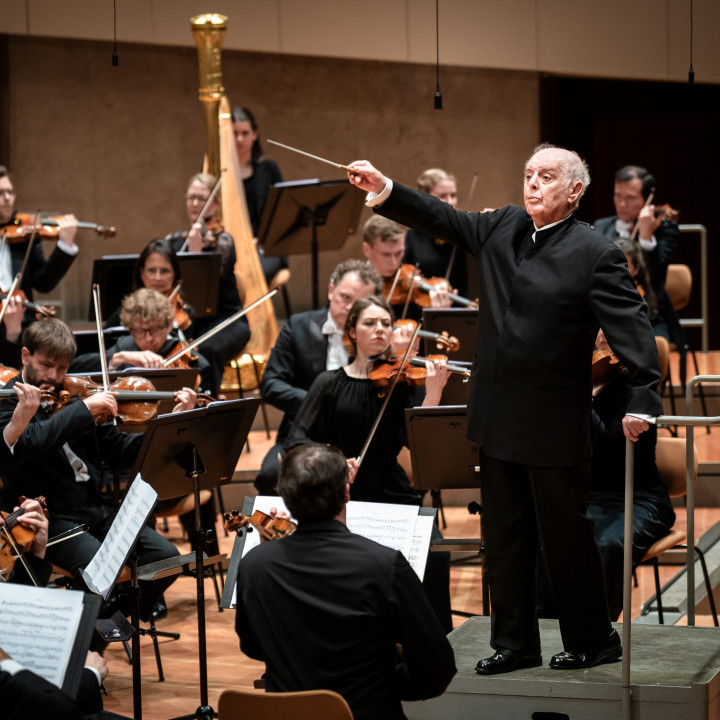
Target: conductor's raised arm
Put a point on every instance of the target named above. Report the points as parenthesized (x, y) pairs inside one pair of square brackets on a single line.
[(366, 177)]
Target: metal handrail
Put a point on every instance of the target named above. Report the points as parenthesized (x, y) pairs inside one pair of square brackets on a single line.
[(689, 421), (703, 321)]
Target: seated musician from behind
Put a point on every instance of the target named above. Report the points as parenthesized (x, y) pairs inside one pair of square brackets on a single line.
[(384, 246), (228, 343), (60, 456), (319, 577)]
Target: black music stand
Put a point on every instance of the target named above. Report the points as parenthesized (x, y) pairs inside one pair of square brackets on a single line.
[(457, 322), (300, 217), (184, 453), (445, 426), (200, 271)]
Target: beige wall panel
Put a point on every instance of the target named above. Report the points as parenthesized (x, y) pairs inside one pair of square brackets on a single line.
[(252, 25), (615, 38), (475, 33), (344, 28), (121, 142), (12, 17)]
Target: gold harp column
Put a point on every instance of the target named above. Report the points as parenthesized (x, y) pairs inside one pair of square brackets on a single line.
[(208, 32)]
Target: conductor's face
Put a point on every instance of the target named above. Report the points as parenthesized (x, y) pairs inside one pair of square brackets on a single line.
[(548, 193)]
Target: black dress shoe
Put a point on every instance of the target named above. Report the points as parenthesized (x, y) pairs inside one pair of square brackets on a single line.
[(606, 652), (506, 661), (159, 610)]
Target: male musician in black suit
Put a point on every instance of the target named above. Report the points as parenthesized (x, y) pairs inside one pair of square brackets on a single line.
[(310, 343), (360, 597), (657, 237), (41, 274), (60, 457), (547, 283)]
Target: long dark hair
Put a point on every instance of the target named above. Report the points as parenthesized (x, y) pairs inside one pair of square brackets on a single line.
[(243, 114)]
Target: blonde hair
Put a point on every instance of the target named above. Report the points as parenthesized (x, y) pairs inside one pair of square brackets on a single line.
[(145, 306)]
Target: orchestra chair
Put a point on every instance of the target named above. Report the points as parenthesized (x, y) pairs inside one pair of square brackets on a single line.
[(678, 286), (305, 705), (670, 459)]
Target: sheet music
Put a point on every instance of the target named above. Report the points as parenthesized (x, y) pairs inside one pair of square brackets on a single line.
[(421, 544), (387, 524), (38, 627), (106, 566)]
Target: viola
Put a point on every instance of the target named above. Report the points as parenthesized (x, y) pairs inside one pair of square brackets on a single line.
[(411, 280), (414, 373), (15, 538), (23, 225), (443, 341), (6, 375), (270, 528), (136, 396), (41, 311), (605, 366)]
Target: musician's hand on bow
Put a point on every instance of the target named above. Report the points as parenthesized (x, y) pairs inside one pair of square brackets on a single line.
[(353, 468), (101, 405), (67, 227), (633, 426), (647, 222), (435, 381), (185, 399), (13, 318), (136, 358), (366, 177), (34, 519)]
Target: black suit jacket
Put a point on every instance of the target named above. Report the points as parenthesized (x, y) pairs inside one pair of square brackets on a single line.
[(299, 356), (42, 468), (540, 307), (323, 608)]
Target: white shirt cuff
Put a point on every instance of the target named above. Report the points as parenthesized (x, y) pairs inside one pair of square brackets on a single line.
[(648, 418), (375, 199), (650, 244), (10, 666), (69, 249), (10, 447)]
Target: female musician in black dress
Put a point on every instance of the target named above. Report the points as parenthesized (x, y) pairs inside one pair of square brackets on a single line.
[(259, 174), (431, 255)]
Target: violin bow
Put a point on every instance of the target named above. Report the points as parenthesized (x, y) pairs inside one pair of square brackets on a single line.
[(451, 262), (220, 326), (15, 285), (634, 232), (101, 341), (403, 363), (7, 532), (201, 215)]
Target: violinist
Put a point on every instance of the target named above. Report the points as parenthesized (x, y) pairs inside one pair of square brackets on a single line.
[(384, 246), (148, 316), (342, 406), (41, 274), (656, 234), (431, 255), (259, 174), (309, 343), (546, 282), (229, 343), (60, 456), (322, 575)]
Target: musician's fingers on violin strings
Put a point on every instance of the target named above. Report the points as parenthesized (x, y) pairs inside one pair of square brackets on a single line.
[(185, 399)]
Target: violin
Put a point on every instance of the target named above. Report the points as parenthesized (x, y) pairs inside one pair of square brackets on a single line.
[(41, 311), (414, 373), (605, 366), (16, 539), (270, 528), (22, 226), (409, 279), (183, 321), (443, 341), (665, 212), (6, 375), (136, 396)]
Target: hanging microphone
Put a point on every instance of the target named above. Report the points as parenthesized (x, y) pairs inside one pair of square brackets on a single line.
[(438, 99)]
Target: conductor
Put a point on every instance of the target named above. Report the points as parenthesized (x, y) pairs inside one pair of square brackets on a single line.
[(547, 283)]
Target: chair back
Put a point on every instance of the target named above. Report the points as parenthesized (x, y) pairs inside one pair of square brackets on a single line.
[(678, 285), (306, 705), (670, 459), (663, 350)]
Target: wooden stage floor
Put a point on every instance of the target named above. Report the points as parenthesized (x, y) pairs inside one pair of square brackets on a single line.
[(228, 668)]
